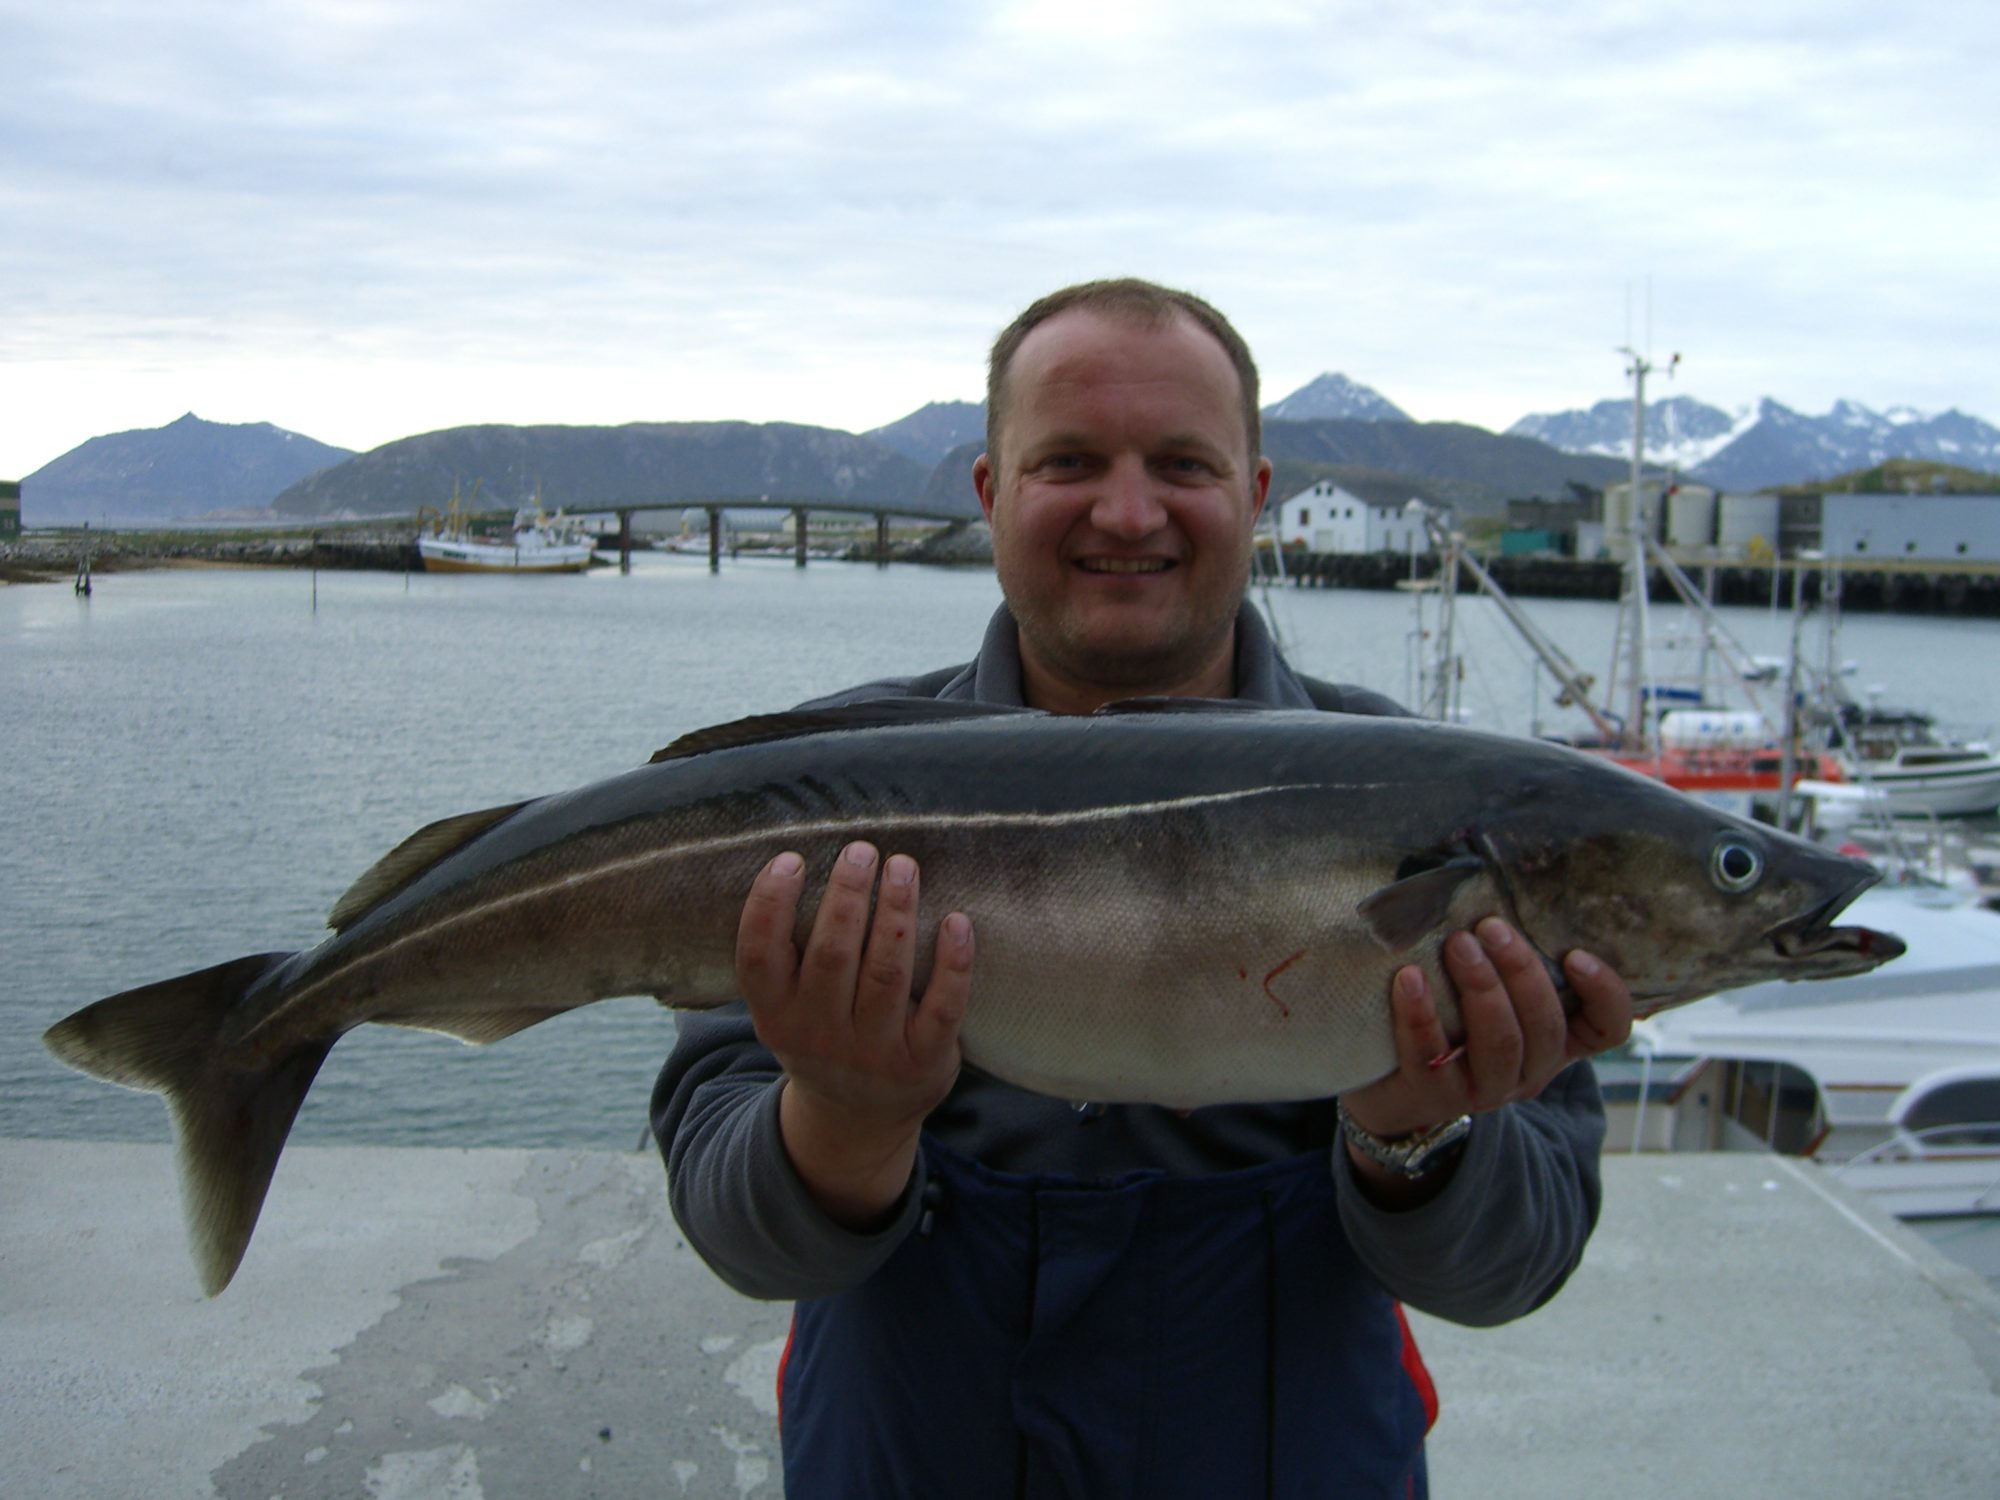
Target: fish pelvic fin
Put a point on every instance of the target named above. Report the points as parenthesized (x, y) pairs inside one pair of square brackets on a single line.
[(230, 1124)]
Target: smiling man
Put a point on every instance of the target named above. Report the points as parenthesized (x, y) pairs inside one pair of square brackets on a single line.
[(1123, 484), (1001, 1294)]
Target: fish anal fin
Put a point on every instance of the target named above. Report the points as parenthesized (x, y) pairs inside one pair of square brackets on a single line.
[(230, 1123), (874, 713), (411, 858), (477, 1027), (1401, 913)]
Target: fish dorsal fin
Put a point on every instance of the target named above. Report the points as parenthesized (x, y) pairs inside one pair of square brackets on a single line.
[(1166, 705), (1402, 912), (876, 713), (411, 858)]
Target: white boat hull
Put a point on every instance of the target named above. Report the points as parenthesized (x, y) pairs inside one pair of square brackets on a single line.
[(452, 555), (1967, 789)]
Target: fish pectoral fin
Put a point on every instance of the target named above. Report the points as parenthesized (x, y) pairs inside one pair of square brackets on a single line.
[(1400, 913), (476, 1026), (411, 858), (874, 713)]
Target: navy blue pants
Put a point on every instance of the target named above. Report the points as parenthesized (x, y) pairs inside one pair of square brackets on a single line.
[(1149, 1337)]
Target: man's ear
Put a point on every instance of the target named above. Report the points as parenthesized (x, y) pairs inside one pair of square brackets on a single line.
[(984, 482), (1260, 489)]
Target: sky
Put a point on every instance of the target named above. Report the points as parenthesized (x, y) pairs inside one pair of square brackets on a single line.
[(364, 219)]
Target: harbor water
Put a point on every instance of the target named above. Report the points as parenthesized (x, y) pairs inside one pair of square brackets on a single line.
[(200, 761)]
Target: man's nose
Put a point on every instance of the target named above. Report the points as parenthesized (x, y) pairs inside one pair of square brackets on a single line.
[(1128, 502)]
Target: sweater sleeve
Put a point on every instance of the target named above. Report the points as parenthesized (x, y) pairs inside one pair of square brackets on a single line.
[(1505, 1233), (730, 1182)]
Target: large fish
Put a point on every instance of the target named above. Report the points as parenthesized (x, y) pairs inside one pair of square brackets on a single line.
[(1189, 904)]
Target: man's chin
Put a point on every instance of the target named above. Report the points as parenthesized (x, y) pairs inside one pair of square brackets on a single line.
[(1133, 657)]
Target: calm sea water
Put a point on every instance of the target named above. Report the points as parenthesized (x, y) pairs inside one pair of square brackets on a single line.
[(199, 762)]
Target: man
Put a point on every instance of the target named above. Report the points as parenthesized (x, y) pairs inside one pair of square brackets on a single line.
[(1002, 1294)]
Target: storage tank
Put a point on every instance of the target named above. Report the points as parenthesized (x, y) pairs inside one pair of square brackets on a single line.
[(1713, 729), (1691, 517), (1744, 519), (1618, 514)]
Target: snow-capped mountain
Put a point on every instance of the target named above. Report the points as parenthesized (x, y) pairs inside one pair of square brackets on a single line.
[(1332, 395), (1768, 443), (1680, 430)]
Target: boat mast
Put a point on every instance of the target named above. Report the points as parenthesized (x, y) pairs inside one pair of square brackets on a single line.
[(1638, 726)]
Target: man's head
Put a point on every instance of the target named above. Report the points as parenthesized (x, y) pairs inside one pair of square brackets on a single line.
[(1123, 485), (1128, 297)]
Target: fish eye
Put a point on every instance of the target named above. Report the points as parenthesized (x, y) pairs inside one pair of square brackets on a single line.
[(1734, 866)]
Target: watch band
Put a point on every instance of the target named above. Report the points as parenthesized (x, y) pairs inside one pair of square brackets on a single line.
[(1413, 1154)]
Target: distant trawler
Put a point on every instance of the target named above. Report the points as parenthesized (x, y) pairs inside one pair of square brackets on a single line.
[(537, 543)]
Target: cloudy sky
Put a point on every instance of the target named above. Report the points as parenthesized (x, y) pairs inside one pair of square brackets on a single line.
[(361, 219)]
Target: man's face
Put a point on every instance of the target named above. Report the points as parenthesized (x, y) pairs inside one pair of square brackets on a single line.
[(1122, 506)]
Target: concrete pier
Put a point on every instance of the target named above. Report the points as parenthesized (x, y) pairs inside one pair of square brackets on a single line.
[(501, 1323)]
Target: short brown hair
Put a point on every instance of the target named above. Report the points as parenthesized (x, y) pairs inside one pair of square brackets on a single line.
[(1127, 297)]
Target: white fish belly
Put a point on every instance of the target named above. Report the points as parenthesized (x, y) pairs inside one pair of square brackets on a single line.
[(1122, 1001)]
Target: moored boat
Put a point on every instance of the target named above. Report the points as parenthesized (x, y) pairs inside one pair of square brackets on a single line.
[(1917, 770), (1889, 1080), (535, 543)]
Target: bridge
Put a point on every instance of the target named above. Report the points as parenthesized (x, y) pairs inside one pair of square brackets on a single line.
[(881, 511)]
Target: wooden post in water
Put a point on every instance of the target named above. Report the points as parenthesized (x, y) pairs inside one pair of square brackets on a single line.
[(714, 539), (881, 539), (799, 541), (624, 541)]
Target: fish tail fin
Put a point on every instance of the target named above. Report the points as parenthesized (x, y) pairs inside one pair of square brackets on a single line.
[(230, 1124)]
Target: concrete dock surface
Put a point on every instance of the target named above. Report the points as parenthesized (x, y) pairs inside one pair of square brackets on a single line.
[(506, 1323)]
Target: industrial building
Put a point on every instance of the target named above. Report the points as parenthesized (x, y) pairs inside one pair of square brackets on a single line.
[(1910, 528), (10, 507)]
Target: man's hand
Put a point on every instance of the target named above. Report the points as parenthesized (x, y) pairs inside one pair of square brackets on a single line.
[(864, 1064), (1517, 1038)]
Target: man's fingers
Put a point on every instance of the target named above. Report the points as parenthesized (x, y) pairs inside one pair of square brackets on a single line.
[(1538, 1010), (1420, 1038), (1603, 1016), (882, 992), (1494, 1046), (833, 953), (766, 960), (934, 1027)]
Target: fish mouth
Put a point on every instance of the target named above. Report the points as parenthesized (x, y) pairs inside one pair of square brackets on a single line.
[(1810, 945)]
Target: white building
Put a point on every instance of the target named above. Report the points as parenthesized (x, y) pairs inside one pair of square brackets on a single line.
[(1910, 528), (1332, 517)]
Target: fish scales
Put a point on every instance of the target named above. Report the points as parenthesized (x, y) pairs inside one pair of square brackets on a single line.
[(1181, 904)]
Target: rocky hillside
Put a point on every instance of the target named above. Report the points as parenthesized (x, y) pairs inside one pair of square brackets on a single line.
[(595, 468), (187, 469)]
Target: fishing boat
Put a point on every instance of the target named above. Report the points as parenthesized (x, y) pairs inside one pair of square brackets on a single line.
[(1675, 730), (535, 543), (1917, 770)]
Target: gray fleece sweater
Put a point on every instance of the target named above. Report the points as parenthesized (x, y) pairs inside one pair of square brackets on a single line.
[(1496, 1242)]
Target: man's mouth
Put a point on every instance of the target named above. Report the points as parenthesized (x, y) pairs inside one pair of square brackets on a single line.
[(1124, 564)]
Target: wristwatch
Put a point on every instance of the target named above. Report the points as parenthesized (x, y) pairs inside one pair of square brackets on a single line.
[(1413, 1154)]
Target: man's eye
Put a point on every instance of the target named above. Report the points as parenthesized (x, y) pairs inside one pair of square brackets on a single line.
[(1186, 466)]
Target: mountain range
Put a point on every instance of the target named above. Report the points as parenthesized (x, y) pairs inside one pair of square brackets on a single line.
[(1768, 444), (597, 468), (1333, 427)]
